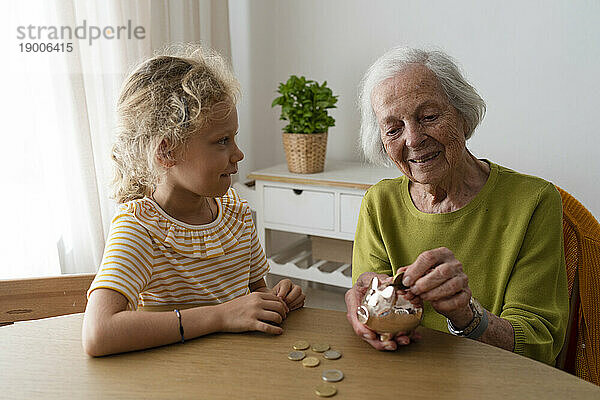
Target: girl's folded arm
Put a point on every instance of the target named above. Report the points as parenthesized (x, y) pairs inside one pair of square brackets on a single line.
[(108, 327), (259, 286)]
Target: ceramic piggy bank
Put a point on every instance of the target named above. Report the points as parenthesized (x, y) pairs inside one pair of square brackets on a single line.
[(387, 313)]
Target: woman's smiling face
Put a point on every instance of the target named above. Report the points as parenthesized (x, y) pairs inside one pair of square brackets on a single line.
[(421, 131)]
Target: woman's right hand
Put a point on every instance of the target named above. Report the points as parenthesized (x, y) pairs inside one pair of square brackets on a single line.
[(257, 311), (354, 298)]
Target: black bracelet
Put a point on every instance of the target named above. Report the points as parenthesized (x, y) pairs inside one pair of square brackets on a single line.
[(180, 326)]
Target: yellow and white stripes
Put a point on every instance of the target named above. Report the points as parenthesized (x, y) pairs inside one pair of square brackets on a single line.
[(153, 259)]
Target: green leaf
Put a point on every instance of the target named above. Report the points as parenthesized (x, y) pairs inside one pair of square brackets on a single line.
[(304, 104)]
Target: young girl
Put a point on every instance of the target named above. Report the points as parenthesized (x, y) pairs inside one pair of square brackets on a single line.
[(182, 240)]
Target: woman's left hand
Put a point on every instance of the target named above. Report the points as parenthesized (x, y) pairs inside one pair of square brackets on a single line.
[(437, 276), (290, 293)]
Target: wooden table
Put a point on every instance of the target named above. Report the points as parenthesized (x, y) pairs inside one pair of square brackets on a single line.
[(44, 359)]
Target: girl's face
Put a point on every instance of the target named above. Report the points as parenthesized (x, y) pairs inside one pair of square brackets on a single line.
[(209, 158)]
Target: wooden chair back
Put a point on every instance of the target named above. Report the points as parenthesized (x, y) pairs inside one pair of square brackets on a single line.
[(26, 299), (580, 354)]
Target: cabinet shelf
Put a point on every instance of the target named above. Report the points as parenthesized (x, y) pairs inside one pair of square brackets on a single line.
[(325, 204), (296, 261)]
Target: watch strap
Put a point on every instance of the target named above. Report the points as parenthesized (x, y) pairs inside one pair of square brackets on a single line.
[(476, 327), (480, 328)]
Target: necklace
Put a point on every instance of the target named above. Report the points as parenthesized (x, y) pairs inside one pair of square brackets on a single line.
[(212, 216)]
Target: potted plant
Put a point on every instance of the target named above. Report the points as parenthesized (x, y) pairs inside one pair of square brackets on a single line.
[(304, 104)]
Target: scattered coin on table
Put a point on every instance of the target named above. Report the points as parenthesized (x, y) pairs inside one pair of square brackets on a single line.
[(332, 375), (320, 347), (332, 354), (325, 390), (310, 362), (301, 345), (296, 355)]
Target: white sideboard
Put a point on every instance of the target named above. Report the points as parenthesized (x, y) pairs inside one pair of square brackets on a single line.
[(324, 204)]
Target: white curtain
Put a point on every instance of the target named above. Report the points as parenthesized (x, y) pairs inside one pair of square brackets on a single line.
[(58, 122)]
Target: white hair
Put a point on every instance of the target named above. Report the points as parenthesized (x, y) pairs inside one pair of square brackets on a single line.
[(460, 94)]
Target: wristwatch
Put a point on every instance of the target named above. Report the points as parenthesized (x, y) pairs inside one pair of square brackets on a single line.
[(476, 327)]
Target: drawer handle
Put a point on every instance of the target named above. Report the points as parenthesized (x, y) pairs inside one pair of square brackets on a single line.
[(297, 191)]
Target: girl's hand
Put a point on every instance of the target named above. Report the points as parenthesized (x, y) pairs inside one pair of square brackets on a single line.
[(290, 293), (437, 276), (257, 311)]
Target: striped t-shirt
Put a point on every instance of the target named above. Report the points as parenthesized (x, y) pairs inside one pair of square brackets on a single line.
[(155, 260)]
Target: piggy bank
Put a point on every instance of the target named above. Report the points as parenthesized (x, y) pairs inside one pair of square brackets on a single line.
[(386, 312)]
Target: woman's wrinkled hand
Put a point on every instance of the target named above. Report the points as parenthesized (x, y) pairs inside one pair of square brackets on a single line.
[(290, 293), (437, 276), (354, 298)]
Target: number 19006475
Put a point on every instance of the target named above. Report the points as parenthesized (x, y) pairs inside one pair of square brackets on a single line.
[(36, 47)]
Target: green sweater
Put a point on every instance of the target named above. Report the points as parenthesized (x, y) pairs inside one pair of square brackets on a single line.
[(508, 238)]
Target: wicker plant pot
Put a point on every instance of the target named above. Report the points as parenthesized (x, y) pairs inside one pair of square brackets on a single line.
[(305, 152)]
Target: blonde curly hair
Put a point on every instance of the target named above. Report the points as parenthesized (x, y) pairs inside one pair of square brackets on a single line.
[(163, 102)]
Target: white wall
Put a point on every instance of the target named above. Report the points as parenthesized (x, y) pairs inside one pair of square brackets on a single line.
[(536, 64)]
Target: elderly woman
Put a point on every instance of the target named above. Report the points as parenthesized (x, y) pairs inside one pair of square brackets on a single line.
[(480, 244)]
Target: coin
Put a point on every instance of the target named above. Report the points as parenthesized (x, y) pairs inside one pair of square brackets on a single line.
[(397, 282), (325, 390), (332, 375), (310, 362), (301, 345), (332, 354), (320, 347), (296, 355)]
